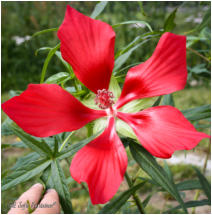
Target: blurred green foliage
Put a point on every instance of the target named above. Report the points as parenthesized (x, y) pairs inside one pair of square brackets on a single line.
[(20, 66)]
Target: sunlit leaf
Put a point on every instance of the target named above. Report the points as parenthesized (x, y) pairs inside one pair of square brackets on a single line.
[(44, 31), (58, 78), (98, 9), (143, 23)]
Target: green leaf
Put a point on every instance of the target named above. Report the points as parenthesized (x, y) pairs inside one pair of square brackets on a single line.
[(45, 31), (23, 161), (46, 177), (115, 88), (146, 200), (148, 163), (67, 65), (205, 22), (123, 58), (124, 129), (140, 3), (98, 9), (137, 105), (168, 100), (169, 23), (61, 187), (58, 78), (189, 185), (42, 49), (5, 129), (47, 60), (36, 145), (133, 22), (168, 171), (71, 150), (116, 203), (197, 113), (189, 204), (23, 174), (157, 102), (205, 184)]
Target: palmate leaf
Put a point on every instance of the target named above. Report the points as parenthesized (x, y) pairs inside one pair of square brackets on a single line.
[(39, 146), (116, 203), (22, 174), (60, 185), (98, 9), (148, 163)]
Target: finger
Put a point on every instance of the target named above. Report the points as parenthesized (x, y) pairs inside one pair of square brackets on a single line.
[(49, 204), (31, 196)]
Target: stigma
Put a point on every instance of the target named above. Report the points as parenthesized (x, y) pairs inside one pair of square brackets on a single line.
[(104, 98)]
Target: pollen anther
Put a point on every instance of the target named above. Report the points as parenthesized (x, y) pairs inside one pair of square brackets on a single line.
[(104, 98)]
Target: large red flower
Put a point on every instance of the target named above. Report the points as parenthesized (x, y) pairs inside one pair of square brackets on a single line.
[(88, 45)]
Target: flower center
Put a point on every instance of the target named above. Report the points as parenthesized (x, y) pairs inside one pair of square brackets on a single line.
[(104, 98)]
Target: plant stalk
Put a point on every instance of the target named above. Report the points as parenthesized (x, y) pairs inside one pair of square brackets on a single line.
[(135, 196)]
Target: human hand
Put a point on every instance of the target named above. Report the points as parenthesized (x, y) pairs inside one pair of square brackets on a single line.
[(48, 205)]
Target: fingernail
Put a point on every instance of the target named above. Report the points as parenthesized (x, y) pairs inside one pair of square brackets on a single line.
[(50, 190), (38, 185)]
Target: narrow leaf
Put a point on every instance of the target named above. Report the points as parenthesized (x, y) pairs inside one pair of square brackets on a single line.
[(142, 23), (39, 146), (148, 163), (44, 31), (169, 23), (61, 187), (205, 184), (190, 204), (47, 60), (98, 9), (198, 113), (71, 150), (23, 174), (157, 102), (58, 78), (168, 100), (189, 185), (116, 203)]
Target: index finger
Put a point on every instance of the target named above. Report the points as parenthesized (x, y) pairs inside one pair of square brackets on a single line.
[(31, 196)]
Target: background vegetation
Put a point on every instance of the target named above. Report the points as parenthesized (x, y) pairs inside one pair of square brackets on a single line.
[(21, 65)]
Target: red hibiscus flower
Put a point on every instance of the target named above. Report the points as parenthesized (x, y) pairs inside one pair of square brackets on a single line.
[(88, 45)]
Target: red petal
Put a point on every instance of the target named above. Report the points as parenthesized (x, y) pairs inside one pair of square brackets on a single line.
[(88, 45), (46, 109), (163, 73), (163, 130), (101, 164)]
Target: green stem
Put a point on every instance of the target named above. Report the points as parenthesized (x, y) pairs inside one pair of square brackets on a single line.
[(197, 53), (135, 196), (65, 141)]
